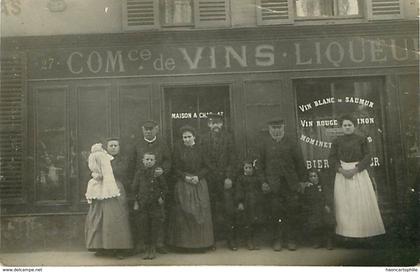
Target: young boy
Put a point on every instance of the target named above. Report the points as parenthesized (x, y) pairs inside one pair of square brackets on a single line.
[(319, 215), (248, 200), (150, 190)]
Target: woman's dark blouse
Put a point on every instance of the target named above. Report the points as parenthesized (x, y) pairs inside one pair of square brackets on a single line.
[(189, 160), (350, 148), (120, 169)]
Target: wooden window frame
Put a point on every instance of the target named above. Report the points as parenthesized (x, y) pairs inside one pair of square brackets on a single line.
[(162, 16), (361, 15)]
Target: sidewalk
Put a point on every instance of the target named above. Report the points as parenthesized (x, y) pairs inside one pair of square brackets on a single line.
[(302, 257)]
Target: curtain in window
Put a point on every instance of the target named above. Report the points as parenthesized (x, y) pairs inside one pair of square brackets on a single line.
[(326, 8), (347, 7), (314, 8), (178, 12)]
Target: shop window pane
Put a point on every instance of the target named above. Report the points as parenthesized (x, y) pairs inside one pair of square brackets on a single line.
[(134, 107), (314, 8), (92, 127), (410, 112), (320, 105), (347, 7), (51, 152), (177, 12), (327, 8)]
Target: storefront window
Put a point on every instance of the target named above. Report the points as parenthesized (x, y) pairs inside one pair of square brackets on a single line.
[(177, 12), (93, 120), (321, 103), (51, 145), (190, 106), (410, 110), (327, 8)]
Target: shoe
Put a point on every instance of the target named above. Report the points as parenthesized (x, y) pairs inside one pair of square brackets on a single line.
[(256, 246), (291, 246), (120, 256), (316, 244), (232, 245), (250, 245), (100, 253), (146, 255), (162, 250), (152, 252), (330, 245), (213, 248), (277, 246)]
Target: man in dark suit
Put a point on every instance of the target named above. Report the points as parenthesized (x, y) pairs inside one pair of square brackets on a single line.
[(220, 158), (281, 164)]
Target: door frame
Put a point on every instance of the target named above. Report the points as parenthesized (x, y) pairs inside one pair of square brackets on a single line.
[(166, 132)]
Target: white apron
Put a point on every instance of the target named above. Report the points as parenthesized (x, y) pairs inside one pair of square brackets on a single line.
[(356, 207)]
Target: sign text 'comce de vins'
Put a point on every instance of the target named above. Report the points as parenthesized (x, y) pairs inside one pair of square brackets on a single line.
[(227, 57)]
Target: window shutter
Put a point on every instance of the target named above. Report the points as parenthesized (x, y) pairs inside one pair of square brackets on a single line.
[(270, 12), (384, 9), (140, 14), (12, 99), (212, 13)]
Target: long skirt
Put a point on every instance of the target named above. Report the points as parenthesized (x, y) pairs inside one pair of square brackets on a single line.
[(190, 223), (107, 225), (356, 207)]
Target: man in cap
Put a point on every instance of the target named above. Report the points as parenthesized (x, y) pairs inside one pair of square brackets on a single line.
[(281, 163), (220, 159), (151, 143)]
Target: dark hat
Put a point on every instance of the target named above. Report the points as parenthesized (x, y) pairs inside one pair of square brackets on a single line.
[(188, 128), (112, 138), (214, 116), (149, 124), (275, 121)]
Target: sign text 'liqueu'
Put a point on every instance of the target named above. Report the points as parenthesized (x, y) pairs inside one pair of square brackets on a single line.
[(228, 57)]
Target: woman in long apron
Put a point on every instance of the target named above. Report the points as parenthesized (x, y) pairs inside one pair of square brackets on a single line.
[(107, 229), (356, 206), (190, 224)]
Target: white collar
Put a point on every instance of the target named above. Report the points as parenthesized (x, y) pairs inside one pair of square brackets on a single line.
[(150, 141)]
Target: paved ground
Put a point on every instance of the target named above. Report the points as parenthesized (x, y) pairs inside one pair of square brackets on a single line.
[(222, 256)]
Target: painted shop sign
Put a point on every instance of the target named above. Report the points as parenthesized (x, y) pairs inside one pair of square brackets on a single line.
[(319, 106), (228, 57), (192, 115)]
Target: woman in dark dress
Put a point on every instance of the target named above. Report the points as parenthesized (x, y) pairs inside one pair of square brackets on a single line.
[(356, 207), (107, 224), (190, 224)]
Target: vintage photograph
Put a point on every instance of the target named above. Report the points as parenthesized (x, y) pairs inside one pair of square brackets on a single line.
[(209, 132)]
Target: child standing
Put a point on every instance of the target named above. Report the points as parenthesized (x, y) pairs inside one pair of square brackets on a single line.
[(150, 191), (318, 212), (248, 200)]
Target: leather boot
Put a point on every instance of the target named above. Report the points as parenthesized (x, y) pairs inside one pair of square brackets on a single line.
[(146, 255), (277, 245), (152, 252), (291, 245), (249, 241), (254, 237), (329, 242), (232, 243), (278, 238)]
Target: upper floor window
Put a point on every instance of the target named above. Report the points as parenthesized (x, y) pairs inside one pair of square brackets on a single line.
[(177, 12), (271, 12), (327, 8), (154, 14)]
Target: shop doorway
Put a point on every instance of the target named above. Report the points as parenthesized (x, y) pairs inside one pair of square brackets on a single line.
[(190, 106)]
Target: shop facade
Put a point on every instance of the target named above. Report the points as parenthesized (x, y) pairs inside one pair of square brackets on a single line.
[(77, 90)]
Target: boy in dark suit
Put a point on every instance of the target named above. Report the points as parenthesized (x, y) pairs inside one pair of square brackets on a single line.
[(150, 190)]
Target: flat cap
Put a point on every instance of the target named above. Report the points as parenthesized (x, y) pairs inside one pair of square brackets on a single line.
[(214, 116), (149, 124), (275, 121)]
